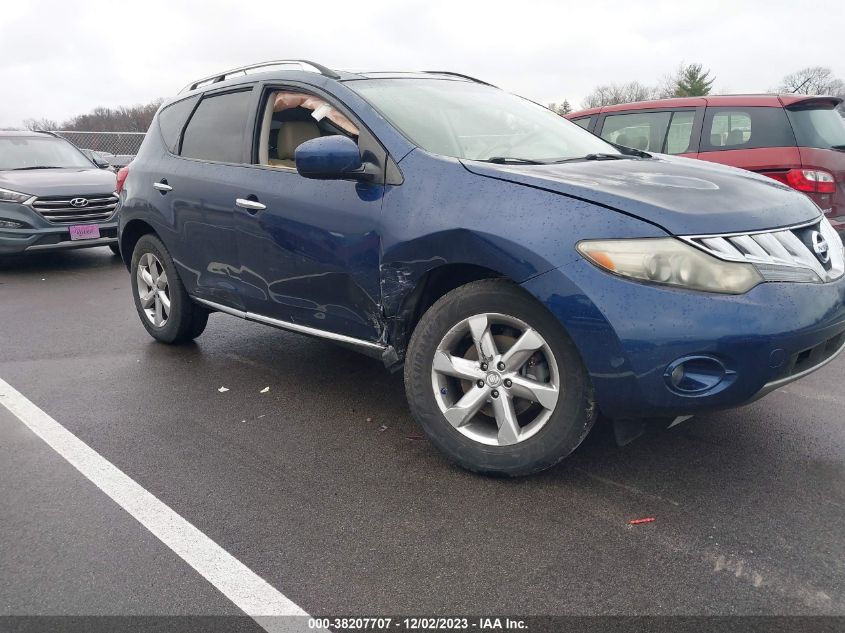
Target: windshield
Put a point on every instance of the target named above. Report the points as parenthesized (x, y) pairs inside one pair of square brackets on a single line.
[(28, 152), (477, 122), (818, 127)]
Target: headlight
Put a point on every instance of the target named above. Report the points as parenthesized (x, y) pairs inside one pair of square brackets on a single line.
[(13, 196), (672, 262)]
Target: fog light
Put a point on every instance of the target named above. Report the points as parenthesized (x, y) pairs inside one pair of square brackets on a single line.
[(695, 375), (10, 224)]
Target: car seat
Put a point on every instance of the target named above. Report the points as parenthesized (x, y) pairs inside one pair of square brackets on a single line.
[(291, 135)]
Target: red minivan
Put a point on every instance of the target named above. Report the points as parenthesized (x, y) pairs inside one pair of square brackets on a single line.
[(796, 139)]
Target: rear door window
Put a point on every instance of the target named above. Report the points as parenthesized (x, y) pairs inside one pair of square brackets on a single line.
[(639, 130), (745, 128), (217, 130)]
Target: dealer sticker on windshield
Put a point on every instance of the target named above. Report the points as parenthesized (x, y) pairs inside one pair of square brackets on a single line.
[(85, 232)]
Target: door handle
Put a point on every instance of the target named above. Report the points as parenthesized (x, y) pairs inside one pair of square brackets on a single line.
[(250, 205), (162, 186)]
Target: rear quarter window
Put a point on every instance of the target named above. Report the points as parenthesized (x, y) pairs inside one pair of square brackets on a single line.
[(818, 127), (171, 121), (745, 128)]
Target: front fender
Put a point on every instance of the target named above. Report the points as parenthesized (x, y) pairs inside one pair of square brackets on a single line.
[(444, 214)]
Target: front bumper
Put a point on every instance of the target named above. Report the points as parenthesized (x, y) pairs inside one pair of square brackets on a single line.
[(38, 234), (629, 335), (53, 239)]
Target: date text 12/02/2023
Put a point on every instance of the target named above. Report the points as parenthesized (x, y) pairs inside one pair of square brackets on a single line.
[(418, 624)]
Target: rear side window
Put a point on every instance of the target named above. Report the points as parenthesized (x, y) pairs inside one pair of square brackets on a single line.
[(172, 119), (217, 130), (583, 122), (745, 128), (639, 130)]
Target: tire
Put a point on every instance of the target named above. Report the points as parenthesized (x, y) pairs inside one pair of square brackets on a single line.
[(184, 320), (510, 444), (115, 248)]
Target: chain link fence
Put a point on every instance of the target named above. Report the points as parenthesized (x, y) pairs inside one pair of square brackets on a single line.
[(124, 143)]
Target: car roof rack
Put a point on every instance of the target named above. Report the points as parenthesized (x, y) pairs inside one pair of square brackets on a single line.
[(303, 64), (451, 74)]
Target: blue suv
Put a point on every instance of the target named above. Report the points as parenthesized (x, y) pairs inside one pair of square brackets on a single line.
[(526, 274)]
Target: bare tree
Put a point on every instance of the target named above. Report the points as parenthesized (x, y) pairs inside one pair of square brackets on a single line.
[(40, 124), (815, 80), (123, 119), (611, 94)]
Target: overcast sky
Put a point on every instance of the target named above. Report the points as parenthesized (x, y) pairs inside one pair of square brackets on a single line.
[(59, 58)]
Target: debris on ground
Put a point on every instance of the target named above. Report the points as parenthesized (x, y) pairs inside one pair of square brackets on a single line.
[(265, 390), (644, 520), (415, 436), (382, 428), (223, 390), (369, 419)]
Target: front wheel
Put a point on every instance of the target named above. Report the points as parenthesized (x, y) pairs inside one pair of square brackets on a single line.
[(495, 381), (165, 309)]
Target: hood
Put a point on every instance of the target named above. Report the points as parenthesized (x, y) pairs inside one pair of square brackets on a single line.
[(59, 182), (683, 196)]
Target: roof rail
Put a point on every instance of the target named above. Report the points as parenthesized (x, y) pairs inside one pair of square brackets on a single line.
[(451, 74), (303, 64)]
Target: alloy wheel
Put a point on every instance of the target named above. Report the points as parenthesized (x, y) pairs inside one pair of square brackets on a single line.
[(153, 289), (495, 379)]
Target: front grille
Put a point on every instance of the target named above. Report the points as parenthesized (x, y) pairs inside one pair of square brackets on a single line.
[(59, 210), (780, 255)]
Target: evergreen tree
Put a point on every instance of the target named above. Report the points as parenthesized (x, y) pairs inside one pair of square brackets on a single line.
[(693, 81)]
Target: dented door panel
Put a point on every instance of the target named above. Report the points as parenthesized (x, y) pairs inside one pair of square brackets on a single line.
[(311, 257)]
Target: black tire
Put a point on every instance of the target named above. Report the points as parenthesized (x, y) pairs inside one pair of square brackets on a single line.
[(186, 320), (115, 248), (573, 414)]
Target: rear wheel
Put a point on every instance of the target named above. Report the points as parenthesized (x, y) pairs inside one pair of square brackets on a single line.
[(165, 309), (495, 382)]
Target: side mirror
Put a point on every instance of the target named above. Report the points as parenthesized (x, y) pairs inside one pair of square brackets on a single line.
[(96, 158), (330, 158), (101, 163)]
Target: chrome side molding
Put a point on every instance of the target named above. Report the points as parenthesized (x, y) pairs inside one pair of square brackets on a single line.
[(368, 347)]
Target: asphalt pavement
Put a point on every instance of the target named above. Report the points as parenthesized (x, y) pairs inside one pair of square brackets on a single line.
[(325, 488)]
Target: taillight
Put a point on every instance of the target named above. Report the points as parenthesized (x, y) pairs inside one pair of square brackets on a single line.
[(122, 173), (807, 180)]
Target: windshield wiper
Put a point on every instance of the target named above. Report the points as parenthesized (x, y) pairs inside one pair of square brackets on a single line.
[(502, 160), (36, 167), (598, 156), (601, 156)]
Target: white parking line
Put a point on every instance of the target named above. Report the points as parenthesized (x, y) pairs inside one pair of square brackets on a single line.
[(251, 593)]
